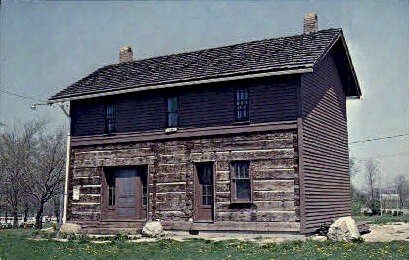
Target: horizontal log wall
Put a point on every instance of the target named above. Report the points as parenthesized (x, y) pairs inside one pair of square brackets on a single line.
[(273, 160)]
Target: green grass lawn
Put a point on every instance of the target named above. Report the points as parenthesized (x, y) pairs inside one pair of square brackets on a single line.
[(381, 219), (15, 245)]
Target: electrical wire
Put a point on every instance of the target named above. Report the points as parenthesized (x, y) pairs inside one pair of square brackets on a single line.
[(19, 95), (353, 142), (378, 138), (381, 156)]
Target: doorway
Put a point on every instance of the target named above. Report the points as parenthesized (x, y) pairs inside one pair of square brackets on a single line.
[(125, 195), (203, 192)]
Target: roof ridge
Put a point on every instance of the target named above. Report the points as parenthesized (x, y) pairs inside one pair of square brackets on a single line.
[(329, 46), (282, 52), (220, 47)]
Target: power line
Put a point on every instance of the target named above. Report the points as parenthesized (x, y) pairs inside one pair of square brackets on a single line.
[(378, 138), (380, 156), (19, 95), (353, 142)]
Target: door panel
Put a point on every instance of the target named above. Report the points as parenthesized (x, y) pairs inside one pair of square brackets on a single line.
[(204, 192), (128, 188), (127, 197)]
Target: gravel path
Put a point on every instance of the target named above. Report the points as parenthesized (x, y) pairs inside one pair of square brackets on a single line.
[(387, 233)]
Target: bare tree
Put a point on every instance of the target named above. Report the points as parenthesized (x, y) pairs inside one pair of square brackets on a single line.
[(46, 177), (31, 168), (353, 166), (372, 172), (16, 150), (402, 188)]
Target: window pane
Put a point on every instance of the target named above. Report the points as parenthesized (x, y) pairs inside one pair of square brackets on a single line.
[(173, 111), (243, 189), (241, 181), (144, 195), (207, 194), (110, 113), (144, 179), (111, 189), (173, 104), (241, 105), (111, 196), (173, 119), (204, 200), (241, 170), (205, 174)]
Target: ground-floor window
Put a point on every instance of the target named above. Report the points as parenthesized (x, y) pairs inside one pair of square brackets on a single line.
[(111, 189), (240, 182)]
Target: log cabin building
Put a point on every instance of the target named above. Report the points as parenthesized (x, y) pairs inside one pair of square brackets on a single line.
[(249, 137)]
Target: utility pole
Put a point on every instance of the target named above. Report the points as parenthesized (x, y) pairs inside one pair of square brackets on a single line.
[(380, 192)]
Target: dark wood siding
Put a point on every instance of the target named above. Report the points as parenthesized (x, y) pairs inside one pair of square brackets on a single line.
[(140, 112), (273, 103), (87, 118), (324, 146), (206, 106), (271, 100)]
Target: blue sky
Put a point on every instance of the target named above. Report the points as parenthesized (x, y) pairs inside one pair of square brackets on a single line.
[(45, 46)]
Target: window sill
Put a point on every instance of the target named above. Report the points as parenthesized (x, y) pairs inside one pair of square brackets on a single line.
[(124, 220), (242, 122), (241, 205), (241, 202), (170, 130)]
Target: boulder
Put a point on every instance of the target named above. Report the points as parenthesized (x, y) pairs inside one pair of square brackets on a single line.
[(152, 229), (343, 229), (70, 228)]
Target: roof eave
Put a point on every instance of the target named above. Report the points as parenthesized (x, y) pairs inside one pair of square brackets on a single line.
[(304, 69), (355, 78), (341, 37)]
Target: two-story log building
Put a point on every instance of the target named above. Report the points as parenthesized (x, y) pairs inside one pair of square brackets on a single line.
[(247, 137)]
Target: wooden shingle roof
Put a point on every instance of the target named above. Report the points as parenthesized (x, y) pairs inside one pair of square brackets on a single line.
[(278, 54)]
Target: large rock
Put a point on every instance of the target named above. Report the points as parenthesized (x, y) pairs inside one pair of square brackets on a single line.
[(343, 229), (152, 229), (70, 228)]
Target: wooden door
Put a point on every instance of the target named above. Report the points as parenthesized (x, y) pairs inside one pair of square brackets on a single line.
[(204, 192), (128, 194), (125, 192)]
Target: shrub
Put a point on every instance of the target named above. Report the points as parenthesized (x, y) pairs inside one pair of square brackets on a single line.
[(375, 206), (120, 237), (324, 228)]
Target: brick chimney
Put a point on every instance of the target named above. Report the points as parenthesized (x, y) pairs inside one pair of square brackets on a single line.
[(125, 54), (310, 23)]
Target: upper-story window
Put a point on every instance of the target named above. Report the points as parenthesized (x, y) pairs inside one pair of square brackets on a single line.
[(110, 118), (241, 100), (173, 112)]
